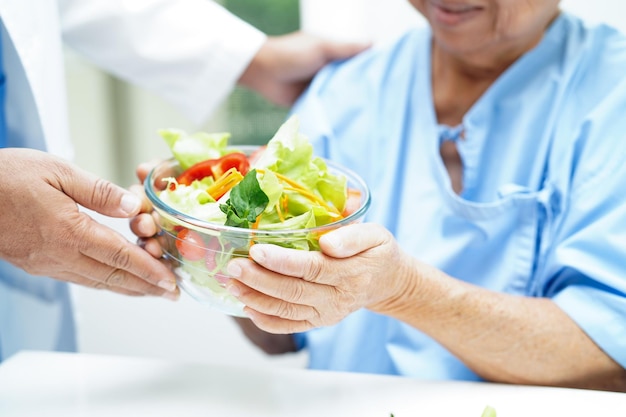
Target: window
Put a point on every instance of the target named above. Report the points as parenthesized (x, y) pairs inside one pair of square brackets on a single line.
[(250, 118)]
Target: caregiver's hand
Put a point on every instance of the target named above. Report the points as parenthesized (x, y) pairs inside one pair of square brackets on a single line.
[(289, 291), (44, 233), (285, 64)]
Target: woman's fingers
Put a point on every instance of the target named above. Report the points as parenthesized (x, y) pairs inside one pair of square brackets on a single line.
[(277, 325), (295, 289), (290, 262), (249, 281), (353, 239), (272, 306), (288, 297)]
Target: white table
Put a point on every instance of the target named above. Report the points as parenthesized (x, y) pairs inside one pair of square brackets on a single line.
[(34, 384)]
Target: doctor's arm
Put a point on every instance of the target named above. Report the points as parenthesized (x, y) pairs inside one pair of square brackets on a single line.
[(45, 233), (193, 52)]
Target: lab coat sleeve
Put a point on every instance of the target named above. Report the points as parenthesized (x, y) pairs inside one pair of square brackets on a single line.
[(190, 52)]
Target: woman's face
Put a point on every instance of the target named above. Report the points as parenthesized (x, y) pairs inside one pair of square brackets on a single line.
[(476, 26)]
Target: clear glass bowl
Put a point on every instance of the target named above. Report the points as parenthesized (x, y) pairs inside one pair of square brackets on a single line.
[(209, 246)]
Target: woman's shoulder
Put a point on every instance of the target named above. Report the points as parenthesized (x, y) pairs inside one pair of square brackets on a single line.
[(594, 49), (590, 26), (588, 61), (352, 94), (590, 122), (378, 65)]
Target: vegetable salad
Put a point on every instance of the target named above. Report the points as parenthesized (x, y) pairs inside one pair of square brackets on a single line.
[(282, 186), (279, 194)]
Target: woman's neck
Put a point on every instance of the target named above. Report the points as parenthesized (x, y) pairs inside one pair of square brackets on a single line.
[(460, 79)]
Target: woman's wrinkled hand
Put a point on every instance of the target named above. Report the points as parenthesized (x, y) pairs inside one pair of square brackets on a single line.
[(289, 291)]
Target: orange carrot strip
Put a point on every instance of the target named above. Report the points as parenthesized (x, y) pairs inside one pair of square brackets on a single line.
[(224, 183), (285, 202), (255, 225), (314, 198), (285, 179), (279, 211), (296, 187)]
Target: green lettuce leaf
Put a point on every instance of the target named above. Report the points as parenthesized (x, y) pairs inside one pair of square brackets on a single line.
[(191, 149), (194, 201), (291, 154), (273, 190), (295, 240)]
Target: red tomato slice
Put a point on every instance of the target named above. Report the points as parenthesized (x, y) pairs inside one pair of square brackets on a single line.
[(196, 172), (212, 248), (215, 168), (190, 245), (236, 160)]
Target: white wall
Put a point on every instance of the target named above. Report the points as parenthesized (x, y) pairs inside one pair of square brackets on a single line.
[(381, 20), (113, 324), (368, 20), (612, 12)]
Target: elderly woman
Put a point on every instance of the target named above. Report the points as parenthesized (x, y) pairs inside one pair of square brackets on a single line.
[(494, 144)]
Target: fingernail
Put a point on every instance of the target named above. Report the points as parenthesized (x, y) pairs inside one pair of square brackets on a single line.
[(233, 290), (221, 278), (172, 296), (130, 203), (234, 270), (332, 241), (167, 285), (145, 225), (250, 314), (257, 254)]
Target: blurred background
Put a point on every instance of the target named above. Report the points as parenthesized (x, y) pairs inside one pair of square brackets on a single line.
[(114, 127)]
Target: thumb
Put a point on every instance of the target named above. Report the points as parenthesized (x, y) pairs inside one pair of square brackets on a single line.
[(98, 194), (353, 239)]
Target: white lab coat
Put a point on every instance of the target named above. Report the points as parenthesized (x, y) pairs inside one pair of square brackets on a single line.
[(190, 51)]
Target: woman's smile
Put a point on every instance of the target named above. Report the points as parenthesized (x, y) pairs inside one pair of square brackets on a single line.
[(452, 13)]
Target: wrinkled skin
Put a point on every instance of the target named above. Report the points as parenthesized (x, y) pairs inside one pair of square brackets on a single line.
[(361, 266), (285, 65), (44, 232), (502, 337), (289, 291)]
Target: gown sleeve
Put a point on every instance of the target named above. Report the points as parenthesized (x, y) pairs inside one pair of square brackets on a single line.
[(586, 264)]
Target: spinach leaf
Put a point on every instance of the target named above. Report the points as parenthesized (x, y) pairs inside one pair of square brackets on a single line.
[(245, 203)]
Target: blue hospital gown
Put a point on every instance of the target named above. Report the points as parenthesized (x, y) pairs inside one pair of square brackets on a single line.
[(543, 210)]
